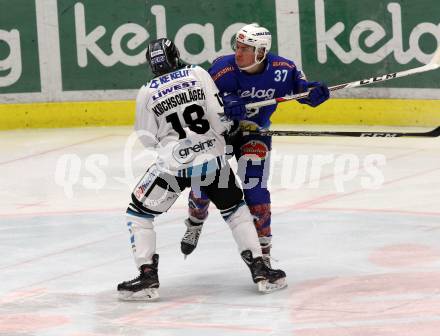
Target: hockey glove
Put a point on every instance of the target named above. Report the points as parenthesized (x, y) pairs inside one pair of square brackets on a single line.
[(318, 94), (234, 106), (233, 134), (249, 126)]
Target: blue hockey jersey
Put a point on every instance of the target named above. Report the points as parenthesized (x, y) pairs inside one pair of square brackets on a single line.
[(279, 78)]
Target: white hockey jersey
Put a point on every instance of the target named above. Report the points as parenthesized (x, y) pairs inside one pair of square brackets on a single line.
[(178, 115)]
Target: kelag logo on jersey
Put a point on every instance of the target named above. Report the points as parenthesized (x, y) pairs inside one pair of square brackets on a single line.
[(266, 94)]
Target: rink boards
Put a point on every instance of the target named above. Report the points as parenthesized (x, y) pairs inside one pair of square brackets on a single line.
[(68, 63), (390, 112)]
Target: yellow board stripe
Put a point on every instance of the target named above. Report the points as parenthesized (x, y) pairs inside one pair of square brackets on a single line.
[(66, 114), (387, 112)]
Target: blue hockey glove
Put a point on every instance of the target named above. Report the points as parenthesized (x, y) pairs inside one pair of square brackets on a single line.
[(319, 93), (234, 106)]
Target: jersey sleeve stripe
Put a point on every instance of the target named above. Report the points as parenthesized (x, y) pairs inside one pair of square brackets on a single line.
[(222, 72)]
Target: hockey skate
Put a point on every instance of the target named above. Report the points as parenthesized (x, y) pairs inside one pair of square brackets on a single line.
[(191, 237), (267, 279), (266, 245), (143, 288), (266, 259)]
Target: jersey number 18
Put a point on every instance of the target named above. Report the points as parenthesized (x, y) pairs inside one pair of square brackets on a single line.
[(197, 125)]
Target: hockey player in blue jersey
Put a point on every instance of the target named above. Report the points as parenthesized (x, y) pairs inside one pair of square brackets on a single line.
[(252, 74)]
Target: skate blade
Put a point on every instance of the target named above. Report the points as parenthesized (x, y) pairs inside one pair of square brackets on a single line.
[(149, 294), (267, 287)]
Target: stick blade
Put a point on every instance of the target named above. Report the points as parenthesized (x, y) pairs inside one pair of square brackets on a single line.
[(435, 132)]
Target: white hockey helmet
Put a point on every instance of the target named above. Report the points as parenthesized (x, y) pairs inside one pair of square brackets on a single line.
[(258, 37)]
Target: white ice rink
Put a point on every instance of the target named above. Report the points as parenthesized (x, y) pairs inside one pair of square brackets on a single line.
[(360, 244)]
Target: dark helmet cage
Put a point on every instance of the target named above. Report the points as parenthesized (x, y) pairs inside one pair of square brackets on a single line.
[(163, 56)]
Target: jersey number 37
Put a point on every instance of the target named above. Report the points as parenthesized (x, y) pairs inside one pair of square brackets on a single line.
[(280, 75)]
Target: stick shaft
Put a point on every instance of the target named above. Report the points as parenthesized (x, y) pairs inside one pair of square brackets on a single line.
[(430, 134), (434, 64)]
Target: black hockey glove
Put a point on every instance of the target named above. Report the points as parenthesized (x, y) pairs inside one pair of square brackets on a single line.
[(233, 134)]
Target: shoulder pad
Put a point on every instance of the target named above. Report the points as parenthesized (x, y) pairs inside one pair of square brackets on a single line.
[(221, 72), (223, 61), (217, 59), (280, 62), (221, 66)]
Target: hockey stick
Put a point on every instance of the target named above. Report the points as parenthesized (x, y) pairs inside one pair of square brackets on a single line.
[(265, 132), (432, 65)]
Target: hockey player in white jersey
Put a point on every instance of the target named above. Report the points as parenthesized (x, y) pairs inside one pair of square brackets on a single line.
[(177, 113)]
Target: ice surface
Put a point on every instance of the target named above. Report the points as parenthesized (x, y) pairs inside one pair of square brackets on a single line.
[(359, 261)]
